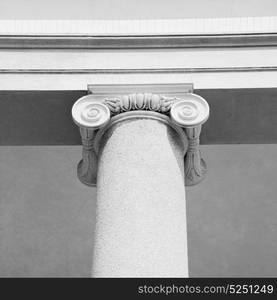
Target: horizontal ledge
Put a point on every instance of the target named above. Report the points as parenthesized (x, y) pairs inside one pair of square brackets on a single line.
[(216, 80), (137, 42), (141, 27), (140, 71)]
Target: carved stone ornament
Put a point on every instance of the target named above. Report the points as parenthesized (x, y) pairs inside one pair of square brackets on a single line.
[(189, 112), (89, 113), (139, 101)]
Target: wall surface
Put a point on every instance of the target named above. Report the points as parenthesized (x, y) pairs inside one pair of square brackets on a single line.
[(133, 9), (47, 216), (237, 116)]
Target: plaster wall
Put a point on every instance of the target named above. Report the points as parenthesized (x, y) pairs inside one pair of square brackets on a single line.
[(133, 9), (47, 216)]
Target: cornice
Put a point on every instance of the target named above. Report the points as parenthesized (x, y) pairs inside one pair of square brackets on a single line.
[(139, 34)]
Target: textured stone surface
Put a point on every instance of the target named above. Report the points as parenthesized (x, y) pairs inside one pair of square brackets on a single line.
[(141, 208)]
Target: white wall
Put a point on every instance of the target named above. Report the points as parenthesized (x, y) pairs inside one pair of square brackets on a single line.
[(134, 9)]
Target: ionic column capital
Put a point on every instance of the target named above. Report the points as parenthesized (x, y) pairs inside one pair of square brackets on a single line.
[(185, 113)]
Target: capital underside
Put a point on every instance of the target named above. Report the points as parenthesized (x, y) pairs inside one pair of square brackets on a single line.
[(95, 115)]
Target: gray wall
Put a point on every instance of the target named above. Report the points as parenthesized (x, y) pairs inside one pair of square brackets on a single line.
[(134, 9), (47, 216), (239, 108)]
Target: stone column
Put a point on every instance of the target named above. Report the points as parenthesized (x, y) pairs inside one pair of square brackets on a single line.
[(138, 152)]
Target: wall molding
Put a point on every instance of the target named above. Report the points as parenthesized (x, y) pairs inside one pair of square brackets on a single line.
[(138, 42), (140, 71), (122, 34)]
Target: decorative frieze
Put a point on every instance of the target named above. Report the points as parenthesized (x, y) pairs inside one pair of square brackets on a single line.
[(93, 112)]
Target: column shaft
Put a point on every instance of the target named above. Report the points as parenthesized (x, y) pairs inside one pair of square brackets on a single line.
[(141, 208)]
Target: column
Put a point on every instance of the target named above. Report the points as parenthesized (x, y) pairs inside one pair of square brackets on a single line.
[(136, 152)]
